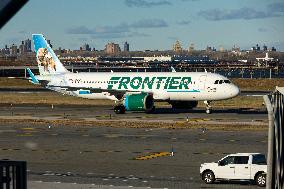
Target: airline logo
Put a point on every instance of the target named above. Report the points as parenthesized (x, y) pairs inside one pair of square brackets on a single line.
[(45, 59), (149, 83)]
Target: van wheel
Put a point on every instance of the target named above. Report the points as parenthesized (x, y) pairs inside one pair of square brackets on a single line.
[(260, 180), (208, 177)]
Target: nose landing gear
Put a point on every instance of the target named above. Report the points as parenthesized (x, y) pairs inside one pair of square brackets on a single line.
[(208, 107), (119, 109)]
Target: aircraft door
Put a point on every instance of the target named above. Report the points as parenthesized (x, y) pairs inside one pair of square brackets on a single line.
[(202, 81)]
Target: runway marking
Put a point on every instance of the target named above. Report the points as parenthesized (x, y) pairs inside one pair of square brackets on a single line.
[(233, 140), (24, 135), (111, 135), (198, 119), (27, 128), (10, 149), (153, 155)]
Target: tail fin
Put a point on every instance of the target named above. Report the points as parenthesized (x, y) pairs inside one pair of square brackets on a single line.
[(48, 62), (33, 78)]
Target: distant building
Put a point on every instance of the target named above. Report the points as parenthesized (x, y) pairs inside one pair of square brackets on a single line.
[(86, 47), (126, 47), (22, 48), (5, 50), (256, 48), (273, 49), (236, 48), (112, 48), (265, 48), (28, 45), (14, 50), (210, 49), (177, 47), (191, 47)]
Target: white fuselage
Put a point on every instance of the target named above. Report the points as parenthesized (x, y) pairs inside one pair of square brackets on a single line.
[(165, 86)]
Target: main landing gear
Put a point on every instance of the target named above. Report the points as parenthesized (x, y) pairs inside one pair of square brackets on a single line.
[(119, 109), (208, 107)]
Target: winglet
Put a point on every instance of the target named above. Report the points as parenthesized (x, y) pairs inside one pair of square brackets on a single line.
[(34, 79), (173, 69)]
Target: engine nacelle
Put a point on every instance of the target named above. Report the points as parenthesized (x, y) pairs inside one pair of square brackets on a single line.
[(138, 102), (184, 104)]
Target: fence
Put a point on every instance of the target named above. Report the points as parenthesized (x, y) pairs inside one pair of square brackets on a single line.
[(13, 175), (275, 165)]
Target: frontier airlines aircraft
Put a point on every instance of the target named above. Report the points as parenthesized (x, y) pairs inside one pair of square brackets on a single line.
[(132, 91)]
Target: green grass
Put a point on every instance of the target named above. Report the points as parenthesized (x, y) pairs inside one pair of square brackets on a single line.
[(59, 99), (16, 83)]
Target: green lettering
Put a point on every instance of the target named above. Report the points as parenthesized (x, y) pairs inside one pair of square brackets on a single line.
[(184, 83), (148, 82), (167, 82), (160, 79), (112, 82), (123, 82), (135, 82), (174, 83)]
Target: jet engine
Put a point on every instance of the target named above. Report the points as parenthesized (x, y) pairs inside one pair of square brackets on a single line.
[(139, 102)]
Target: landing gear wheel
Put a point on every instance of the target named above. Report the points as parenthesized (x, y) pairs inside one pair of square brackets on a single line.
[(120, 109), (208, 177), (208, 107), (151, 110), (260, 180), (208, 111)]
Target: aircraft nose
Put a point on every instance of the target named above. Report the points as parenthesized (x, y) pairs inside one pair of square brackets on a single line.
[(235, 91)]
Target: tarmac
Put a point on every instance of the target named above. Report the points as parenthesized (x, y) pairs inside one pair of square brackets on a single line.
[(79, 155)]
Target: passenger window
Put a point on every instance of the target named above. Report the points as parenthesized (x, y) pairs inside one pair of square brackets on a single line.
[(258, 159), (241, 160), (216, 82), (227, 160)]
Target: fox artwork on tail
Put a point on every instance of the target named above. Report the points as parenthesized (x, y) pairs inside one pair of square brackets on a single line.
[(45, 59)]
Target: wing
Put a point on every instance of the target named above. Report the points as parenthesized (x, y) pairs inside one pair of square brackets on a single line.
[(112, 92)]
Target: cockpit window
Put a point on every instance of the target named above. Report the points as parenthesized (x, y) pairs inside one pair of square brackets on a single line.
[(222, 81), (227, 81)]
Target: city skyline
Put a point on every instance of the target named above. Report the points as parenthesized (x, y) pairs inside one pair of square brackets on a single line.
[(150, 24)]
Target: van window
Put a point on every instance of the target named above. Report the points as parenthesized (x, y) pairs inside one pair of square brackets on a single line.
[(259, 159), (241, 159), (227, 160)]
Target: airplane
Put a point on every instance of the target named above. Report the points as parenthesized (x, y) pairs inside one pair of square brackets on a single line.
[(132, 91), (266, 58)]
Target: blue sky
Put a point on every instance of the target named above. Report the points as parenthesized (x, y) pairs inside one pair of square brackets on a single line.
[(150, 24)]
